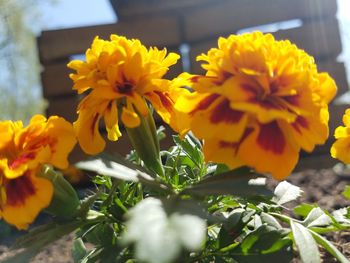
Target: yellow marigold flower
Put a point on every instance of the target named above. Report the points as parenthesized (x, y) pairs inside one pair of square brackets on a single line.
[(260, 102), (122, 75), (341, 147), (22, 152)]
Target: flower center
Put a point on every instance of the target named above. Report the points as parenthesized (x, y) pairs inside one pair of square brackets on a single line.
[(125, 88)]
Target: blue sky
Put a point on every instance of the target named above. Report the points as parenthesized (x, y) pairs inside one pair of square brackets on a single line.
[(76, 13)]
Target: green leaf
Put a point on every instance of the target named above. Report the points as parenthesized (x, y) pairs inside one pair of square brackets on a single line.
[(270, 220), (316, 218), (191, 147), (286, 192), (305, 243), (283, 255), (112, 169), (263, 240), (231, 228), (329, 247), (120, 171), (101, 234), (304, 209), (346, 192), (238, 182), (78, 250)]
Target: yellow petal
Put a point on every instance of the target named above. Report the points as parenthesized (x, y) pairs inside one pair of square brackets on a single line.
[(6, 133), (219, 151), (87, 130), (341, 149), (111, 121), (63, 138), (130, 118), (26, 197), (268, 150)]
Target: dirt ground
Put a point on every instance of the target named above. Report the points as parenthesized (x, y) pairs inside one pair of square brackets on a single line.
[(323, 187)]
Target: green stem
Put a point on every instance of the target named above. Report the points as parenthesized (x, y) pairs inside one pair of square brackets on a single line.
[(144, 140)]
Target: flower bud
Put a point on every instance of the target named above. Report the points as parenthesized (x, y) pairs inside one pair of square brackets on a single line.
[(65, 202)]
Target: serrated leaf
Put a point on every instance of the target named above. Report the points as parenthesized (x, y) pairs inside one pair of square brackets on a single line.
[(329, 247), (303, 209), (112, 169), (317, 217), (231, 228), (191, 147), (305, 243), (263, 240), (78, 250), (238, 182), (346, 192), (270, 220), (286, 192), (120, 171)]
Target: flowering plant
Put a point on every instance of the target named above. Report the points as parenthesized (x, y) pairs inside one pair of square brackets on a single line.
[(203, 200)]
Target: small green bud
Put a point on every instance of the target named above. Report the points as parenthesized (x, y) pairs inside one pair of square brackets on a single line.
[(65, 203)]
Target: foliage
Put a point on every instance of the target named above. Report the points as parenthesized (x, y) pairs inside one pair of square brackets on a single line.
[(20, 96), (190, 216)]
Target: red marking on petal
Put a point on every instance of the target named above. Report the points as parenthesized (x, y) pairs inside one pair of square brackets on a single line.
[(21, 159), (249, 88), (205, 103), (267, 103), (235, 145), (274, 86), (299, 123), (166, 101), (195, 78), (18, 190), (294, 100), (94, 123), (224, 113), (271, 138)]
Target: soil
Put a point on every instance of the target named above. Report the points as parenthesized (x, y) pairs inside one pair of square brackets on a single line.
[(323, 187)]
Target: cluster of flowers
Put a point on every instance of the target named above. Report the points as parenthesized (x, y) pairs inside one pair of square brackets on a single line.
[(260, 102)]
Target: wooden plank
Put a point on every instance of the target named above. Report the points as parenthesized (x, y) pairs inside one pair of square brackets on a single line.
[(149, 7), (158, 31), (55, 80), (64, 107), (319, 39), (337, 71), (230, 16)]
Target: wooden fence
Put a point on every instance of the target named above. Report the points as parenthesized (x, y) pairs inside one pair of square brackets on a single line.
[(195, 24)]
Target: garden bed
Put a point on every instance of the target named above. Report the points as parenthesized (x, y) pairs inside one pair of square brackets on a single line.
[(323, 187)]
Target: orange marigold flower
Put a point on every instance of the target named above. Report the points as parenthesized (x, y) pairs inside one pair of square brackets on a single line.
[(122, 75), (260, 102), (22, 153), (341, 147)]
